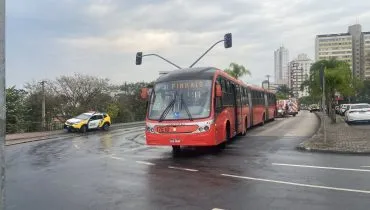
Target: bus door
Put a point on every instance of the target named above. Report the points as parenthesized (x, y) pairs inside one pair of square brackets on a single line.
[(239, 108), (250, 118), (234, 98), (267, 110)]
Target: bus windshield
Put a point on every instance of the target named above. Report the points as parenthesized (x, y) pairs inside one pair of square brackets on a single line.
[(191, 99)]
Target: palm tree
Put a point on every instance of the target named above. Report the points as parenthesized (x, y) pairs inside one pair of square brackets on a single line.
[(235, 70)]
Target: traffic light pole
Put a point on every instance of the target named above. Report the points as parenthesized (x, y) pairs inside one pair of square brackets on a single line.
[(153, 54), (205, 53)]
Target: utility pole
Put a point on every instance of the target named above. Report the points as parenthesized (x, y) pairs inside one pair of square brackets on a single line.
[(2, 102), (43, 105), (268, 81)]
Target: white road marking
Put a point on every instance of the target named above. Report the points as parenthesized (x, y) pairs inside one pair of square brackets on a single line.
[(145, 163), (217, 209), (321, 167), (76, 146), (133, 149), (117, 158), (184, 169), (297, 184)]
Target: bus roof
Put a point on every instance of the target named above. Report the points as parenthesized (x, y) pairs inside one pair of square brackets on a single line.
[(188, 74), (203, 73)]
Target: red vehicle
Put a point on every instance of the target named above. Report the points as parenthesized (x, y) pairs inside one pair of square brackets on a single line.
[(203, 107)]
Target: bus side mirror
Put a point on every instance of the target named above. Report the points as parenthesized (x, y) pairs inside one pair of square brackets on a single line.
[(218, 90), (144, 93), (139, 58), (228, 41)]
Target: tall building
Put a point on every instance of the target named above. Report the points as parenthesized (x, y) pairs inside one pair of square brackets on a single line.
[(349, 47), (299, 71), (281, 56), (366, 37)]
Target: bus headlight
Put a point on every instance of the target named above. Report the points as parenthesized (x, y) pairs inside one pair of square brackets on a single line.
[(149, 129), (203, 129)]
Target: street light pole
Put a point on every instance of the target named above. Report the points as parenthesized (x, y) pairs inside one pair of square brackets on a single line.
[(43, 105), (268, 81), (2, 102)]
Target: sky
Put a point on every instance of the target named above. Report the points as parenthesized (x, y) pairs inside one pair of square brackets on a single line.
[(49, 38)]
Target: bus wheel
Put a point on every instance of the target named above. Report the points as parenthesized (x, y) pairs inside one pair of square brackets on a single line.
[(263, 120), (176, 149), (227, 137)]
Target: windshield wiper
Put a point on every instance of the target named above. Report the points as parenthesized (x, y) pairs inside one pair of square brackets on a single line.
[(186, 108), (167, 109)]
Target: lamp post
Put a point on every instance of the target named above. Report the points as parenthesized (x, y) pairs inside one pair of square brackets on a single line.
[(268, 81)]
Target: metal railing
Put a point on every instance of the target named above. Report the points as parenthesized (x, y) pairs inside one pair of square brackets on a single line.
[(26, 127)]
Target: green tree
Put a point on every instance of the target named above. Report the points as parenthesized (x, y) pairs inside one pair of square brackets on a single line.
[(283, 92), (338, 79), (33, 103), (364, 93), (235, 70), (113, 110), (15, 109)]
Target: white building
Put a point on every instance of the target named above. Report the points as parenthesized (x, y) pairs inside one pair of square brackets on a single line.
[(281, 56), (299, 71), (350, 47), (337, 46), (366, 36)]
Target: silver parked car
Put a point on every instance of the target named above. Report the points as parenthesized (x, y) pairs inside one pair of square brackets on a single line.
[(357, 113)]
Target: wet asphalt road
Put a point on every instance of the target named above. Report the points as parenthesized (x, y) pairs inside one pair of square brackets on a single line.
[(115, 170)]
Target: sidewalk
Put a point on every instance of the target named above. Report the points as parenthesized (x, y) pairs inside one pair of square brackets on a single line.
[(18, 138), (339, 137)]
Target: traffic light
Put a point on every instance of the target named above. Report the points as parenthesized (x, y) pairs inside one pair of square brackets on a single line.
[(228, 40), (139, 58)]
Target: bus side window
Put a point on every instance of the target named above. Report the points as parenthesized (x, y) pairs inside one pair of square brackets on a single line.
[(246, 102), (253, 98), (242, 95)]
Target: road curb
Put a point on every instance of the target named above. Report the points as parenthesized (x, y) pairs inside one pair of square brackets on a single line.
[(328, 151), (302, 147), (64, 135)]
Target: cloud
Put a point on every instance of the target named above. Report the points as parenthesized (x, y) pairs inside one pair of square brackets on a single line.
[(47, 38)]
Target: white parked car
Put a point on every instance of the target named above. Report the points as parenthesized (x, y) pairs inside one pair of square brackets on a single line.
[(357, 113), (342, 109)]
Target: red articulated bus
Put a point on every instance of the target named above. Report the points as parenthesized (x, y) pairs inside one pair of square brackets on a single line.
[(203, 107)]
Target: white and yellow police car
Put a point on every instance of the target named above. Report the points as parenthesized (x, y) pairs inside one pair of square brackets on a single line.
[(88, 121)]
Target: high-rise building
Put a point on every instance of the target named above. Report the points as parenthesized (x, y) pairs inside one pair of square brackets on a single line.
[(349, 47), (281, 56), (366, 37), (299, 71)]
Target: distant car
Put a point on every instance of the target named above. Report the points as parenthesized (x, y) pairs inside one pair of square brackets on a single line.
[(357, 113), (88, 121), (342, 109), (314, 108), (304, 107)]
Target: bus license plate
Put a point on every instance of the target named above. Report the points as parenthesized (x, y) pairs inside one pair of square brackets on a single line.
[(175, 140)]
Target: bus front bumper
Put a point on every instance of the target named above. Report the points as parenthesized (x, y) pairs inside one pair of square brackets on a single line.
[(206, 138)]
